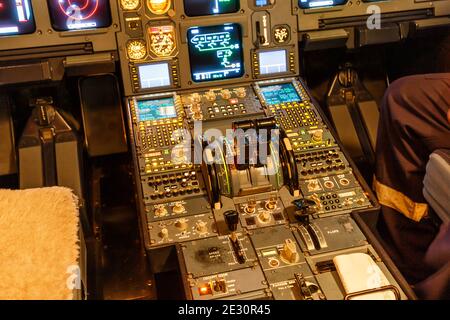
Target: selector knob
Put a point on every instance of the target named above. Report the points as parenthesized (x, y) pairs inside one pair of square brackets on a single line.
[(196, 98), (178, 208), (164, 233), (181, 224), (160, 211), (226, 94), (264, 217), (289, 252), (317, 135), (201, 227), (231, 219), (271, 204), (210, 96), (241, 92)]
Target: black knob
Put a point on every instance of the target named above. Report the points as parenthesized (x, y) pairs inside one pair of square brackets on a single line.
[(231, 219)]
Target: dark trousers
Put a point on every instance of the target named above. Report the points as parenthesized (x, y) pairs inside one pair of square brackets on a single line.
[(413, 124)]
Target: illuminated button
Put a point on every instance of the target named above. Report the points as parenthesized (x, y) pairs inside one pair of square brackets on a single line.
[(205, 289), (226, 94), (195, 98), (241, 92), (210, 95)]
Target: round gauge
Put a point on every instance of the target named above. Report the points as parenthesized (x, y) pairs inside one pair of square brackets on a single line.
[(159, 6), (130, 4), (136, 49)]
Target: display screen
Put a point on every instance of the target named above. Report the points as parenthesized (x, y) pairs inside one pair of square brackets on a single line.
[(306, 4), (195, 8), (79, 14), (280, 93), (154, 75), (149, 110), (215, 52), (264, 3), (16, 17), (272, 62)]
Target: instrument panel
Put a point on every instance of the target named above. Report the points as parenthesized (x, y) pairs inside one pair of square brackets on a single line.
[(274, 228), (222, 41), (28, 24)]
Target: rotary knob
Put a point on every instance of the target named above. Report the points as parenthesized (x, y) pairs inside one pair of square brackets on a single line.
[(271, 204), (164, 233), (210, 96), (226, 94), (201, 227), (241, 92), (196, 98), (181, 224), (264, 217), (317, 135), (160, 211), (178, 208)]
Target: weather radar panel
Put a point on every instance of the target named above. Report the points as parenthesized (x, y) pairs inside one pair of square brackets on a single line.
[(69, 15)]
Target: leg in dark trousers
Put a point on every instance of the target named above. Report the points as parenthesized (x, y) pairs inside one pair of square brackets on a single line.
[(413, 124)]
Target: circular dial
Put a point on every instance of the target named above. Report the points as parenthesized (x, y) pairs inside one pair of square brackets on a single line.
[(130, 4), (159, 6), (136, 49), (78, 10), (162, 44)]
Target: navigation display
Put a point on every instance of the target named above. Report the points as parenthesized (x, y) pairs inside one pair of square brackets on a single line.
[(306, 4), (16, 17), (215, 52), (156, 109), (280, 93), (154, 75), (79, 14), (274, 61), (195, 8)]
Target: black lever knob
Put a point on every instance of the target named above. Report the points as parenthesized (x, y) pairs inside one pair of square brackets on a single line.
[(231, 219)]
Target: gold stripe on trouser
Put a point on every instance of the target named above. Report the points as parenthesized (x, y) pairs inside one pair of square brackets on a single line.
[(398, 201)]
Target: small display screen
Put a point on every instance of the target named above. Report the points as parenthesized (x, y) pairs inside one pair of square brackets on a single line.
[(156, 109), (154, 75), (79, 14), (306, 4), (16, 17), (215, 52), (272, 62), (264, 3), (195, 8), (280, 93)]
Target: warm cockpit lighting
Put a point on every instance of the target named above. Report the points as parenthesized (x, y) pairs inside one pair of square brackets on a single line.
[(130, 4), (159, 6)]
